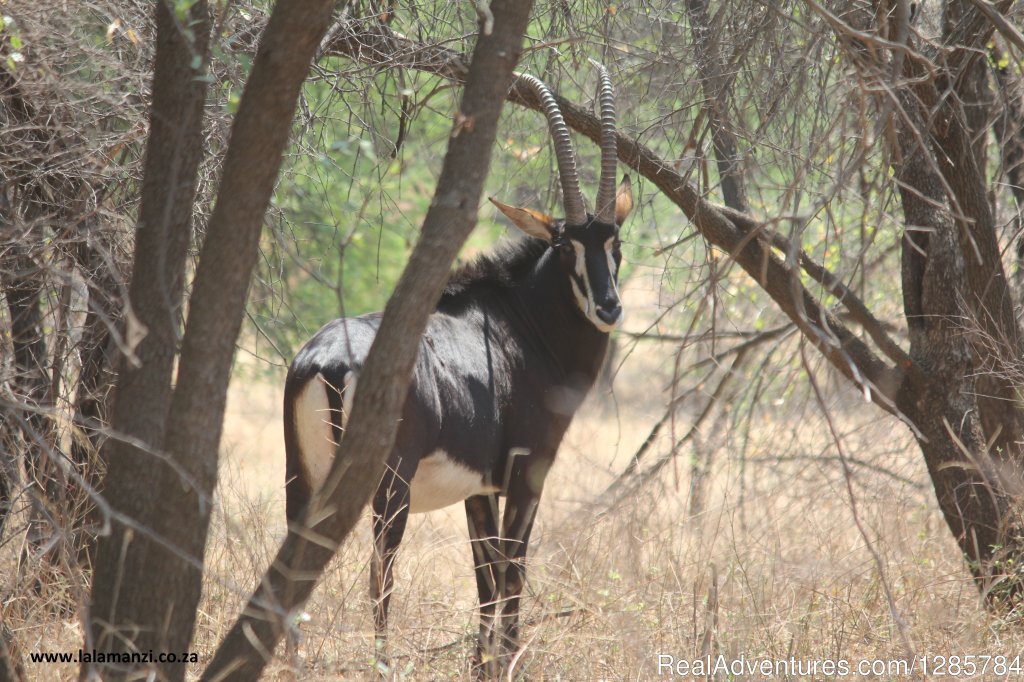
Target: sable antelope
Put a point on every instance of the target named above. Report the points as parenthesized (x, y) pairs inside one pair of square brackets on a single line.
[(518, 338)]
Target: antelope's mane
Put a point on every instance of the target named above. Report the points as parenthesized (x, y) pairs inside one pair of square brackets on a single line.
[(498, 268)]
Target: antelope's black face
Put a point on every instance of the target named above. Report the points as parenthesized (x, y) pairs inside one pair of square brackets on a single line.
[(589, 255)]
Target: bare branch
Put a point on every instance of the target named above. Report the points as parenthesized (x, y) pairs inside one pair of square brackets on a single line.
[(379, 45)]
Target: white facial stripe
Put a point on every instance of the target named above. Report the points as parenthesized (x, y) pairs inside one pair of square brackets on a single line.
[(585, 300), (609, 246), (581, 263)]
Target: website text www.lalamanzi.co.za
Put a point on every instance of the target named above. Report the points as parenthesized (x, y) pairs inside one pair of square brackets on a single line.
[(115, 657)]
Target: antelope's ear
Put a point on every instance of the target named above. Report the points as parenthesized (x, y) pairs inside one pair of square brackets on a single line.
[(623, 200), (533, 223)]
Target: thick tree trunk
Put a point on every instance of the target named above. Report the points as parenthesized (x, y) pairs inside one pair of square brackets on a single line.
[(957, 127), (28, 194), (156, 580), (33, 431), (942, 400), (959, 309), (384, 380), (48, 191), (124, 612)]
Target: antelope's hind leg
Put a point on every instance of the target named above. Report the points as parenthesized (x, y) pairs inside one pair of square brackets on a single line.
[(390, 516)]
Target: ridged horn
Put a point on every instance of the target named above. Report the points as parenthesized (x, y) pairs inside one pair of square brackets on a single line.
[(605, 206), (575, 211)]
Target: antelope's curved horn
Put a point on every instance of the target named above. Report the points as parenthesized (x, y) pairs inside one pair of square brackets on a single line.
[(575, 211), (605, 207)]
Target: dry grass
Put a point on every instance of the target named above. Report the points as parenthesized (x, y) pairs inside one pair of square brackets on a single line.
[(777, 550), (774, 567)]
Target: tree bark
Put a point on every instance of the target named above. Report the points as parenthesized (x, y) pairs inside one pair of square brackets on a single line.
[(23, 283), (959, 310), (124, 612), (957, 127), (29, 192), (156, 581), (942, 400), (716, 90), (384, 379), (51, 189), (1009, 130)]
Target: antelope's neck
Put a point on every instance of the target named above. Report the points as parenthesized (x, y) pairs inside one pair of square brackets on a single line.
[(555, 324)]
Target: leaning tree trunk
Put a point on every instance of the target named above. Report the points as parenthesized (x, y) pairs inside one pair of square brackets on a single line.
[(384, 380)]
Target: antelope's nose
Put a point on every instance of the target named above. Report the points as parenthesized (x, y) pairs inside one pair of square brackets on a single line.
[(609, 314)]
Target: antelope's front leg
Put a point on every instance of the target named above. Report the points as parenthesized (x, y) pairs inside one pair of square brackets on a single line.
[(481, 516), (517, 523)]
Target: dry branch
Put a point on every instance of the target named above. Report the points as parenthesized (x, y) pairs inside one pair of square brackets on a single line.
[(740, 236)]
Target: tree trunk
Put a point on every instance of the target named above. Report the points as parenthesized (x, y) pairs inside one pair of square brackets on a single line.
[(941, 401), (123, 613), (716, 90), (159, 577), (32, 429), (43, 200), (1009, 130), (987, 313), (96, 380), (26, 193), (384, 379)]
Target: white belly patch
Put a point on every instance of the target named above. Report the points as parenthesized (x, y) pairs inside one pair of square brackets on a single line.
[(441, 481)]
